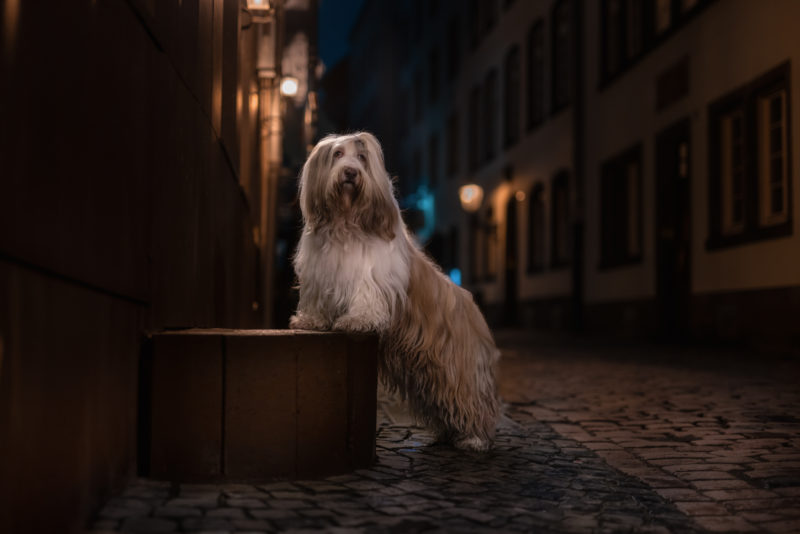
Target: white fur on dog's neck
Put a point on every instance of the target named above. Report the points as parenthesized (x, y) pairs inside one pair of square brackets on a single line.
[(352, 276)]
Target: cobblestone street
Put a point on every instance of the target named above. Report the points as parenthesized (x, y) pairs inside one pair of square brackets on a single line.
[(598, 439)]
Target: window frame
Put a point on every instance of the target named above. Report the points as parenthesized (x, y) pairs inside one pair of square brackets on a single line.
[(745, 100), (649, 37)]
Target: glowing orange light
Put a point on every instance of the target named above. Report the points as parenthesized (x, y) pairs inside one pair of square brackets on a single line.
[(471, 196)]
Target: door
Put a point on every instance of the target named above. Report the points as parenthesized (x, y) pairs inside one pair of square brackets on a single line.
[(673, 230), (511, 263)]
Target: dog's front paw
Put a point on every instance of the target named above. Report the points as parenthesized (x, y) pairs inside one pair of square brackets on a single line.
[(350, 323), (472, 443), (302, 321)]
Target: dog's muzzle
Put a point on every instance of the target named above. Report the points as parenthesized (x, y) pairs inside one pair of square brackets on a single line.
[(348, 179)]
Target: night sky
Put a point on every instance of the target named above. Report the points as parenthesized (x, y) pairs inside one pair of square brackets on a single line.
[(336, 18)]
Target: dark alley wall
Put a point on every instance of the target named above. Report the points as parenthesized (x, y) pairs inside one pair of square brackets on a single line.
[(121, 211)]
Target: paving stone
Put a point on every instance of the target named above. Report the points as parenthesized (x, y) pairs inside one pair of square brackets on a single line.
[(177, 511), (206, 524), (227, 513), (245, 503), (726, 524), (145, 525)]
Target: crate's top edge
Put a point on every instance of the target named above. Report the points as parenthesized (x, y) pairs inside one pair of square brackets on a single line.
[(249, 332)]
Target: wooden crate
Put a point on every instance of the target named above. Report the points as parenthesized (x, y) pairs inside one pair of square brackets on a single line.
[(252, 405)]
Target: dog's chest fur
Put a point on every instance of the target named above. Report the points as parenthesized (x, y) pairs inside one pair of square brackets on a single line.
[(341, 268)]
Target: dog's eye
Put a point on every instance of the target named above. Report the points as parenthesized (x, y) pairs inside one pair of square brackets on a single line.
[(338, 154), (362, 157)]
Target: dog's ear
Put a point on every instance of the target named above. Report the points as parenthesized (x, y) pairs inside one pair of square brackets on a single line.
[(381, 212), (313, 182)]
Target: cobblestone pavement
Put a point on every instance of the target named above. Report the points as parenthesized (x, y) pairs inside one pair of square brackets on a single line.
[(717, 432), (597, 440)]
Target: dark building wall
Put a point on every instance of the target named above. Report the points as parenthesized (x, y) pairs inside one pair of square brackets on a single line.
[(120, 211)]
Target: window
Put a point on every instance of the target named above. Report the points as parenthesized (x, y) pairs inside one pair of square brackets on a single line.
[(474, 128), (434, 74), (732, 162), (536, 229), (623, 34), (511, 97), (453, 49), (772, 157), (631, 28), (560, 252), (452, 144), (620, 210), (490, 115), (562, 43), (536, 74), (433, 159), (749, 180)]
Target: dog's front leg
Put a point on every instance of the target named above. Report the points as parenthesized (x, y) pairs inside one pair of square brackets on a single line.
[(368, 311), (309, 315)]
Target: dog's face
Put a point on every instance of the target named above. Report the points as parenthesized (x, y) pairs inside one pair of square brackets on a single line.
[(344, 180)]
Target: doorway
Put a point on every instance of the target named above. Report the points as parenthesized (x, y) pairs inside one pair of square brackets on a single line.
[(511, 263), (673, 230)]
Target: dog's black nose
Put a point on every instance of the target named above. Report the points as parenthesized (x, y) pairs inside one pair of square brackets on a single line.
[(350, 173)]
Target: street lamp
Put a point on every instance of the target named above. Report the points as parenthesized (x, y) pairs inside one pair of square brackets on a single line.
[(258, 5), (260, 10), (289, 86), (471, 196)]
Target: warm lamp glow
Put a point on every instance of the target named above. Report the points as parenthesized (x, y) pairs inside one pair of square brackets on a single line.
[(289, 86), (471, 197), (520, 196), (258, 4)]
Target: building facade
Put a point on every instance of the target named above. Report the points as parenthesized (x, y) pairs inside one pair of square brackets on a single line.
[(634, 157)]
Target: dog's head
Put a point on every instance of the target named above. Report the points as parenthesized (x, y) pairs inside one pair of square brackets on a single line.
[(344, 180)]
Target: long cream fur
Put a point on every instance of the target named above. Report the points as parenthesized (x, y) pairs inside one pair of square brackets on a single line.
[(359, 270)]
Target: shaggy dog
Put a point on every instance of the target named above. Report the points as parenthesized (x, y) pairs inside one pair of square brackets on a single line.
[(359, 271)]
